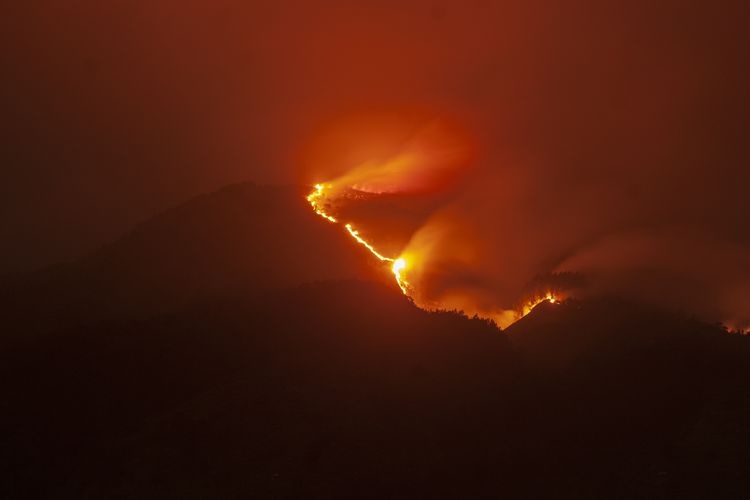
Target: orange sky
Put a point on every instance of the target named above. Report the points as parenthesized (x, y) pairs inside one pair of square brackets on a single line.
[(115, 110)]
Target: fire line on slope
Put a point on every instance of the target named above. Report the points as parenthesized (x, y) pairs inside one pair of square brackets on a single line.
[(399, 265)]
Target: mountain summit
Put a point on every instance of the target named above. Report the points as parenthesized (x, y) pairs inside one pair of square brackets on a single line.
[(243, 237)]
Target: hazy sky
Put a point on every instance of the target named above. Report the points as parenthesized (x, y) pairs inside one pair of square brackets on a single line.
[(624, 115)]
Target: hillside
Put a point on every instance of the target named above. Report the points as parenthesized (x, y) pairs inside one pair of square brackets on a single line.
[(244, 238), (217, 375)]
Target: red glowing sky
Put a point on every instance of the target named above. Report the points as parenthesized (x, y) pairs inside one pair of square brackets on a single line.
[(602, 133)]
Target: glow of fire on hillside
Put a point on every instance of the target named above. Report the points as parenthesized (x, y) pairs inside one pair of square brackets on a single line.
[(550, 297), (429, 155), (399, 265)]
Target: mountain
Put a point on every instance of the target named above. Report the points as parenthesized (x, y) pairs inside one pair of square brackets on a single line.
[(243, 237), (307, 383)]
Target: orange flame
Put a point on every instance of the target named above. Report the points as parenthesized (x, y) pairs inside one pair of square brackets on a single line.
[(313, 199), (550, 297)]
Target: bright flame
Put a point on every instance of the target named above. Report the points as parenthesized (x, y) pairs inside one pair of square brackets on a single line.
[(531, 304), (399, 264), (313, 199), (356, 236)]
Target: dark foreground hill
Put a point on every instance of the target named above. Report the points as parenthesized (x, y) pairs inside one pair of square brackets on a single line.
[(344, 389)]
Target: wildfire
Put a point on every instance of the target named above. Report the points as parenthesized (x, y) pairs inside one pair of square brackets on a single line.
[(531, 304), (421, 158), (356, 236), (398, 265), (314, 198)]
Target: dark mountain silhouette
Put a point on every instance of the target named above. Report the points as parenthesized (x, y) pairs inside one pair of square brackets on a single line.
[(253, 384), (243, 237)]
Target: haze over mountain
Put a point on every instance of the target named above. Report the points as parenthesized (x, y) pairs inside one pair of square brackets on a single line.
[(243, 237), (203, 356)]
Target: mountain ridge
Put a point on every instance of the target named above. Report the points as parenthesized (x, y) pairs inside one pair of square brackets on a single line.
[(332, 387)]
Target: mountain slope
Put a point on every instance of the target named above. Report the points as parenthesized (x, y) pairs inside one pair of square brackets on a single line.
[(243, 237), (205, 356), (337, 389)]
